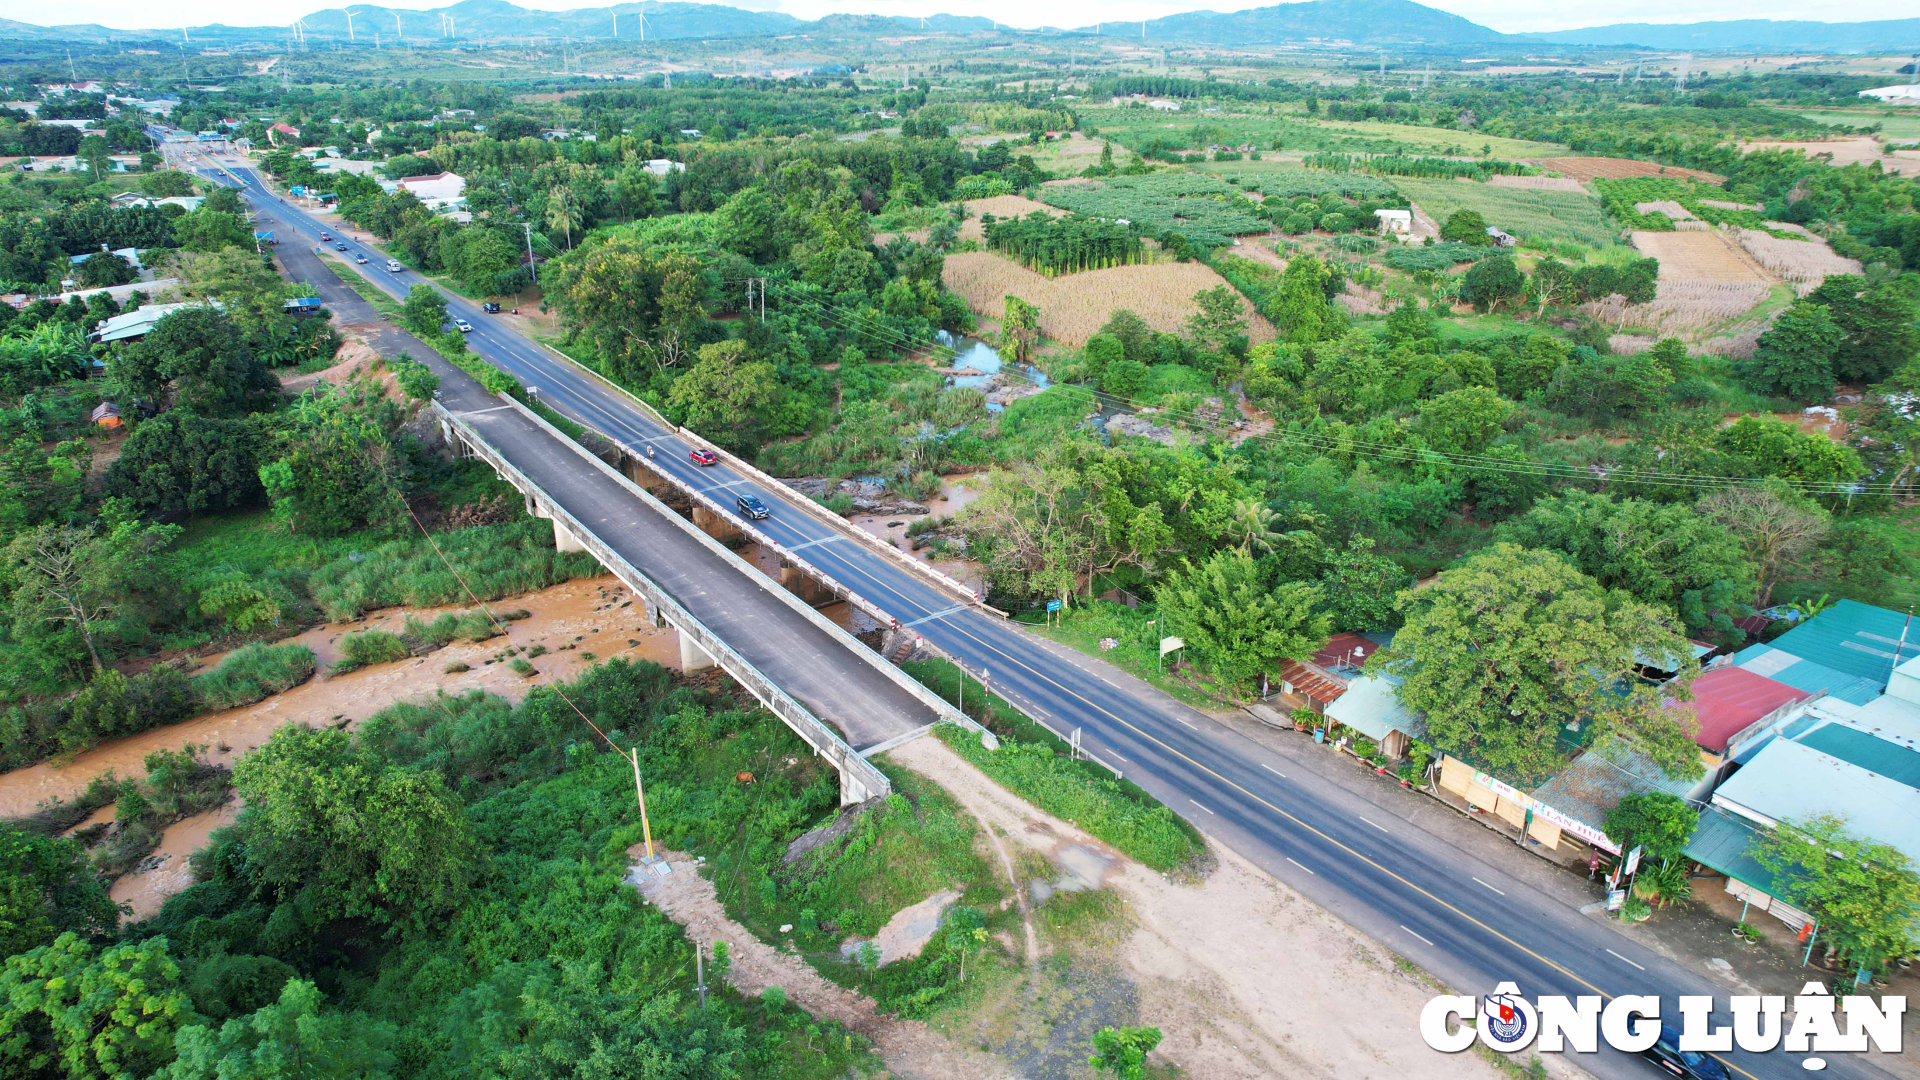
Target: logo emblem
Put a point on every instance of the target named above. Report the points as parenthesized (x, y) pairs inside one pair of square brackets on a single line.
[(1507, 1022)]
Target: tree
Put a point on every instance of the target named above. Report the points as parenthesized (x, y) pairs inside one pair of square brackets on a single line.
[(1299, 307), (1099, 351), (336, 471), (289, 1039), (1361, 587), (48, 888), (1510, 645), (1123, 1051), (350, 834), (745, 224), (1794, 358), (425, 310), (182, 463), (208, 230), (724, 395), (244, 285), (1236, 624), (1551, 284), (1462, 421), (1862, 892), (1777, 448), (1658, 822), (1878, 322), (104, 268), (1019, 329), (80, 577), (1491, 282), (1465, 226), (1776, 525), (1662, 553), (563, 211), (1124, 378), (196, 358), (1218, 326), (1604, 387), (66, 1010)]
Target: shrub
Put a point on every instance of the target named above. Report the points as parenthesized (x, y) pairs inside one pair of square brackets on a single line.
[(369, 647), (452, 626), (254, 672)]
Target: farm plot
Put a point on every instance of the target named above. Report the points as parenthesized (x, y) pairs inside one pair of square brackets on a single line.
[(1704, 285), (1804, 263), (1075, 306), (1614, 168), (1000, 206), (1536, 183), (1572, 216), (1856, 150), (1195, 205)]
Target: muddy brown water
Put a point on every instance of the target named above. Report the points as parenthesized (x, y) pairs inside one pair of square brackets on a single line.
[(593, 614)]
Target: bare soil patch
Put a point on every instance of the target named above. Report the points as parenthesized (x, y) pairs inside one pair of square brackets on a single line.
[(1612, 168), (1848, 150), (1073, 307), (1000, 206)]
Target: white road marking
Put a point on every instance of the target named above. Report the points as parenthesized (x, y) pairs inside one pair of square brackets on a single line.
[(1301, 865), (1185, 721), (1382, 828), (717, 487), (1273, 770), (1196, 803), (1490, 887), (810, 543), (932, 615), (1617, 956), (1403, 927)]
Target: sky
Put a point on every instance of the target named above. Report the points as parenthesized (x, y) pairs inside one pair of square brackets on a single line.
[(1509, 16)]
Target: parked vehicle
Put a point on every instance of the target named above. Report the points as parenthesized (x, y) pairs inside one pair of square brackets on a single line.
[(490, 308), (702, 456), (751, 506)]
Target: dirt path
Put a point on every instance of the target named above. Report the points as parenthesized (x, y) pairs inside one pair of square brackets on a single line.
[(1247, 977), (908, 1047)]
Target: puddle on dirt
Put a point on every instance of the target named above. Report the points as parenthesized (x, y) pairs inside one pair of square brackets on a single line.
[(1082, 869), (166, 872), (908, 932), (592, 614), (956, 492)]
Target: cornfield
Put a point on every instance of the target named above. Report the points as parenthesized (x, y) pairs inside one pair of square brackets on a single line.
[(1697, 256), (1536, 183), (1804, 263), (1073, 308), (1683, 306), (1528, 214)]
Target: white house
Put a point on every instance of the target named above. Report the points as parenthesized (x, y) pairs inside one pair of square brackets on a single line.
[(1395, 221), (1910, 92), (436, 189), (663, 166)]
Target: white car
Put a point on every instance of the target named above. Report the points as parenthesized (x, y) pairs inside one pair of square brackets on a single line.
[(463, 326)]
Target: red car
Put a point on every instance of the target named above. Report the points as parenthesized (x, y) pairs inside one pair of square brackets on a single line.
[(702, 457)]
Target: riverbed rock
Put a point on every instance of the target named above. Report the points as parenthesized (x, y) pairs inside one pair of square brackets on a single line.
[(1129, 424), (868, 497)]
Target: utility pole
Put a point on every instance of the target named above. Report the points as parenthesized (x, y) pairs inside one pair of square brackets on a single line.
[(1680, 83), (528, 225), (700, 973), (646, 830)]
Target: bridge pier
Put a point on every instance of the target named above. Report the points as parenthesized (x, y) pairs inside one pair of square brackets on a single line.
[(564, 540), (692, 657), (714, 525), (799, 583)]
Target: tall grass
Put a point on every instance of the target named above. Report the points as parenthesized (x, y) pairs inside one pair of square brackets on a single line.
[(495, 561), (369, 647), (254, 672), (452, 626)]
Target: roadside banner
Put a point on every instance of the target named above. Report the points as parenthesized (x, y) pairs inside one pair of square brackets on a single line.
[(1616, 899), (1633, 860)]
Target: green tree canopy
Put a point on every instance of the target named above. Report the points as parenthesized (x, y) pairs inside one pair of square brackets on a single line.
[(196, 358), (1511, 645), (1658, 822), (47, 888), (1462, 421), (1234, 622), (1864, 893), (1794, 358), (289, 1039), (66, 1009), (1123, 1051), (1662, 553), (1491, 282), (726, 396), (182, 463), (425, 310)]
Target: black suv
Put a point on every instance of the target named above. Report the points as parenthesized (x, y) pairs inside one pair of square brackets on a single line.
[(751, 506), (490, 308), (1688, 1064)]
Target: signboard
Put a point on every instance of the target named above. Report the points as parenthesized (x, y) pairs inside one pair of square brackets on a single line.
[(1053, 605), (1616, 899), (1169, 644), (1633, 860), (1567, 824)]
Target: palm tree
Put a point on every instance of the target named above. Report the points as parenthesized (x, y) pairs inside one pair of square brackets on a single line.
[(563, 211), (1252, 524)]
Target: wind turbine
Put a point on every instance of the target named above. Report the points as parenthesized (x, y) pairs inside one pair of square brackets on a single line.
[(642, 16), (350, 37), (1686, 61), (398, 34)]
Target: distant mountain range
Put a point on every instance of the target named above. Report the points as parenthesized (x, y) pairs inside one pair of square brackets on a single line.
[(1362, 23)]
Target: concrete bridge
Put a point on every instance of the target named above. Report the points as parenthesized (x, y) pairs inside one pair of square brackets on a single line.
[(840, 696)]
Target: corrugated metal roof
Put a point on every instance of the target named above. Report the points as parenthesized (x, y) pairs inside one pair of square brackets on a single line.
[(1310, 683), (1721, 843), (1597, 780), (1789, 780), (1372, 707), (1728, 700), (1875, 755), (1808, 675), (1856, 638)]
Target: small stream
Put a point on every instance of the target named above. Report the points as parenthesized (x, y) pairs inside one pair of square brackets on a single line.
[(972, 353)]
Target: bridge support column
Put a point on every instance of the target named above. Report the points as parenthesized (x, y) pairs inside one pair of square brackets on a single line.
[(852, 790), (796, 581), (713, 524), (564, 540), (692, 657)]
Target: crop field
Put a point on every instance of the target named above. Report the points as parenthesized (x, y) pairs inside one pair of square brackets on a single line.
[(1853, 150), (1697, 256), (1687, 308), (1193, 204), (1572, 216), (1803, 263), (1075, 306), (1898, 125), (1613, 168), (1536, 183), (1000, 206)]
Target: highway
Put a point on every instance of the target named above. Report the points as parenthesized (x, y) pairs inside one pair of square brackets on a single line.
[(1440, 904)]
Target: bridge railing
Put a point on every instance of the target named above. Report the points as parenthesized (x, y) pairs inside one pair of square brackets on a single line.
[(817, 733)]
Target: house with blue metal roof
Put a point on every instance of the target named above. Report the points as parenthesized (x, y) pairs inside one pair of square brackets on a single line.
[(1860, 640)]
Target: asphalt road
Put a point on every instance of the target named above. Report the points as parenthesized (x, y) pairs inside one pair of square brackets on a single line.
[(1438, 904), (834, 683)]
